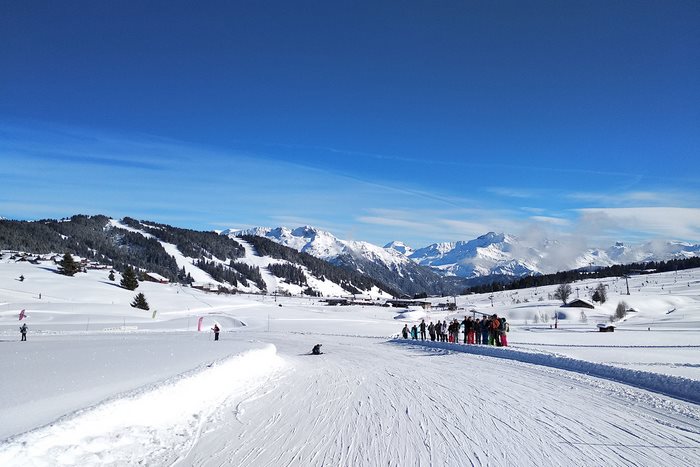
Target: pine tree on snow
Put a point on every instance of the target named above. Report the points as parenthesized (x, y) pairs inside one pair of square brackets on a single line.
[(68, 266), (129, 280), (140, 302)]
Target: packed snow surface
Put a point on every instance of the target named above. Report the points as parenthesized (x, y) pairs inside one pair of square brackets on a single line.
[(101, 383)]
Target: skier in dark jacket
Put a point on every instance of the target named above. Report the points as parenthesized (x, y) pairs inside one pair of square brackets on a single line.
[(405, 331), (422, 329), (485, 326), (470, 330), (23, 331), (453, 330), (431, 331), (414, 332), (216, 331), (316, 350)]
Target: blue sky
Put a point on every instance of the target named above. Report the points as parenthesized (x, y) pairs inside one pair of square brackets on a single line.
[(418, 121)]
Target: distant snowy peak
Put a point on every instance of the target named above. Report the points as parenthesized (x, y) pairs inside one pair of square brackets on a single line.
[(307, 239), (621, 253), (401, 247), (491, 253), (257, 231), (326, 246), (388, 257), (432, 252)]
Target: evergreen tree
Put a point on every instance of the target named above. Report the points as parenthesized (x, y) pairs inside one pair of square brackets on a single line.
[(68, 266), (129, 280), (140, 302)]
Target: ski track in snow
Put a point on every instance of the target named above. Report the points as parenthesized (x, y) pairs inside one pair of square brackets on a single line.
[(369, 404)]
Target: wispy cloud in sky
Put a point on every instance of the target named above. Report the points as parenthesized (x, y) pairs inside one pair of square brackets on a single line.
[(558, 221), (57, 173), (639, 198), (668, 222), (510, 192)]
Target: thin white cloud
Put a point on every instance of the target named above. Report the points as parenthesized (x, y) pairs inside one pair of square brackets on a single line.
[(510, 192), (552, 220), (670, 222), (442, 225), (639, 198)]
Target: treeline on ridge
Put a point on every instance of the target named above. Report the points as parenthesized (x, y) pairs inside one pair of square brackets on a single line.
[(94, 238), (191, 243), (349, 280), (561, 277), (89, 237)]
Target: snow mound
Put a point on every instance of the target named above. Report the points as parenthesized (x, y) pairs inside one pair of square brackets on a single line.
[(412, 313), (673, 386), (155, 426)]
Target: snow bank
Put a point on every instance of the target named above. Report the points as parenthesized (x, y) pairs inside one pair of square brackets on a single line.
[(673, 386), (412, 313), (155, 426)]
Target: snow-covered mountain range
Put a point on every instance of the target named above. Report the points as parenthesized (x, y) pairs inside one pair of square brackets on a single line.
[(312, 261), (385, 264), (325, 245), (490, 254), (621, 253)]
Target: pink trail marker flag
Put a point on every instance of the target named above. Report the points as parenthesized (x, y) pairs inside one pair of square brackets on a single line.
[(21, 315), (199, 323)]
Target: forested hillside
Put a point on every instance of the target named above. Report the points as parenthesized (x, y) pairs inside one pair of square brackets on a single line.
[(90, 237), (351, 281), (98, 239)]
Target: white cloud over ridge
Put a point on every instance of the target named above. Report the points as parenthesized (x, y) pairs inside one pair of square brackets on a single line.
[(669, 222)]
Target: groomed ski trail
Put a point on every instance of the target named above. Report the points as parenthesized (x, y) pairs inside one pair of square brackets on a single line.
[(367, 402)]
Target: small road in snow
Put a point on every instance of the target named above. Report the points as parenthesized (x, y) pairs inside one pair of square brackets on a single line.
[(367, 402)]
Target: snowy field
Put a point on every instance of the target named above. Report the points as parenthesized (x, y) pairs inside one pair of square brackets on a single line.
[(101, 383)]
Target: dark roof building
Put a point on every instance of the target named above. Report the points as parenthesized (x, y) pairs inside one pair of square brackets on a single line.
[(580, 303)]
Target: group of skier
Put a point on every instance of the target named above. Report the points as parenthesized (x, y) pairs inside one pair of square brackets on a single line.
[(489, 330)]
